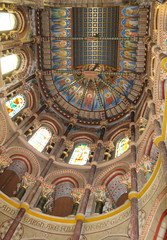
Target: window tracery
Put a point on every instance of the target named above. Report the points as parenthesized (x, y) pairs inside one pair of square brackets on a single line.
[(80, 155), (40, 138), (15, 105), (122, 146)]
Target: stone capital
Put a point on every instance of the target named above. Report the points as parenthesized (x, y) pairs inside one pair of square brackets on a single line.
[(132, 124), (52, 157), (80, 216), (100, 141), (132, 165), (88, 186), (132, 143), (20, 132), (133, 194), (94, 163)]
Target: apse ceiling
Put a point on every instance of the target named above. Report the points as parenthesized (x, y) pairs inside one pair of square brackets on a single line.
[(88, 61)]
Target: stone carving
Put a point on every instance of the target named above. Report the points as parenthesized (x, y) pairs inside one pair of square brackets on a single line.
[(126, 179), (146, 164), (4, 162)]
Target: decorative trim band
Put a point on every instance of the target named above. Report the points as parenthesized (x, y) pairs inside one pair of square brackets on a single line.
[(133, 194)]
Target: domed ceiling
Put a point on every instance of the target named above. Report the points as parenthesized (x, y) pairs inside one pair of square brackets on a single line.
[(88, 61)]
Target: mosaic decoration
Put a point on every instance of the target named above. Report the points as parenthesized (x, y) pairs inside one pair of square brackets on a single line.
[(128, 28), (15, 105), (80, 155), (40, 138), (122, 146)]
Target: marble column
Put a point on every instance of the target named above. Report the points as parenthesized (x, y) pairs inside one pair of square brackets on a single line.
[(84, 203), (26, 124), (10, 140), (36, 186), (134, 188), (16, 86), (158, 131)]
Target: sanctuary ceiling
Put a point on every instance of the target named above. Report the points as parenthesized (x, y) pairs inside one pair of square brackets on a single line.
[(88, 59)]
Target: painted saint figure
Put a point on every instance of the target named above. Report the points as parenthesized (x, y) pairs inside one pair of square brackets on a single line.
[(60, 44), (131, 11), (60, 12), (130, 22)]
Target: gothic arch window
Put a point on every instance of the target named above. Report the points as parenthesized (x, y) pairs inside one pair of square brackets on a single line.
[(9, 63), (80, 155), (40, 138), (122, 146), (15, 105), (8, 21)]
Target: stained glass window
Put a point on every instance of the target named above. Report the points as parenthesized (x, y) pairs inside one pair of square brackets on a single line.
[(9, 63), (7, 21), (40, 138), (15, 105), (122, 146), (80, 155)]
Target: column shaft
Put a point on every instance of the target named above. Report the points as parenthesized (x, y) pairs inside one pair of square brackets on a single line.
[(84, 203), (29, 198), (134, 217), (10, 140), (78, 229), (134, 200), (14, 225)]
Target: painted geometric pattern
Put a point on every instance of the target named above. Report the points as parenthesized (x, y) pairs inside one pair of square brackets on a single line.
[(88, 22)]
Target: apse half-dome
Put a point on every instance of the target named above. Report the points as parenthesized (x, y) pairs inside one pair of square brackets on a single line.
[(90, 73)]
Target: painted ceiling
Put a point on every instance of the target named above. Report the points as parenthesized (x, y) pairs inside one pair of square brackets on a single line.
[(87, 74)]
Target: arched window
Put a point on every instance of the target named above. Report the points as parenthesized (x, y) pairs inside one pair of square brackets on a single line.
[(15, 105), (80, 155), (8, 21), (40, 138), (9, 63), (122, 146)]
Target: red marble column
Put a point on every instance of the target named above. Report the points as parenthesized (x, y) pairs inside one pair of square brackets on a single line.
[(34, 116), (36, 186), (134, 188), (84, 203), (14, 225)]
